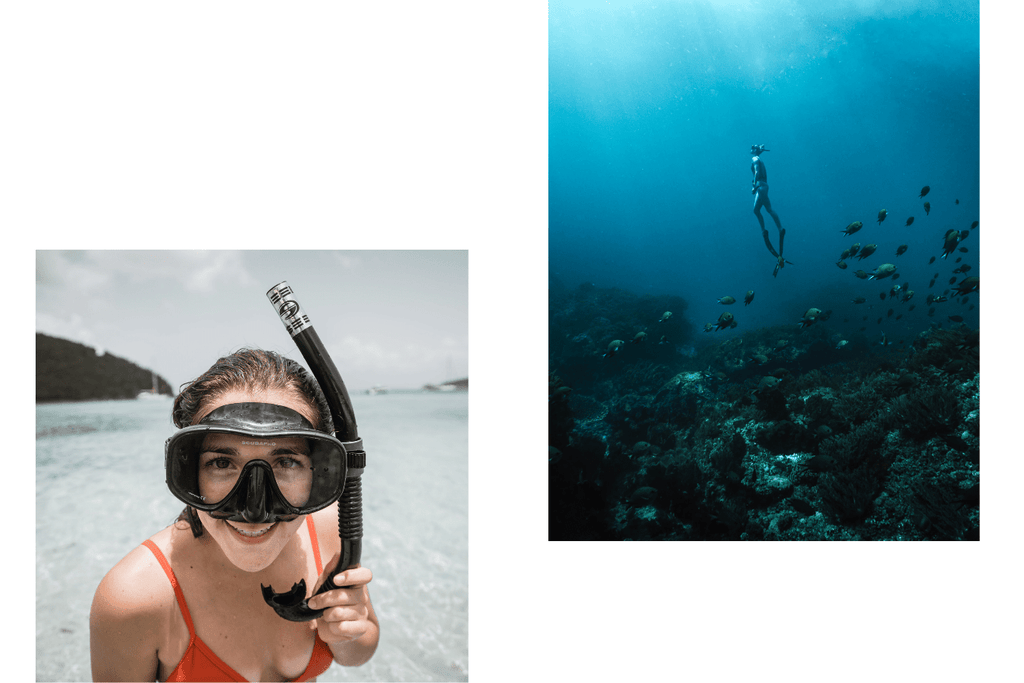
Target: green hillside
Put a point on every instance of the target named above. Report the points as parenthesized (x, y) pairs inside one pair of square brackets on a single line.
[(68, 371)]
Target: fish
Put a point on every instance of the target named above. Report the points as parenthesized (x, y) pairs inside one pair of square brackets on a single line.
[(883, 271), (931, 260), (665, 316), (852, 228), (974, 225), (727, 300), (949, 242), (841, 344), (859, 300), (881, 216), (867, 251), (907, 295), (909, 221), (881, 295), (884, 341), (895, 291), (725, 320), (664, 340), (613, 348), (861, 274), (963, 249), (810, 317), (952, 279), (927, 208), (644, 494), (900, 250), (958, 201), (956, 318), (708, 327), (924, 191), (888, 314), (842, 264), (748, 298), (969, 284), (640, 336), (855, 248)]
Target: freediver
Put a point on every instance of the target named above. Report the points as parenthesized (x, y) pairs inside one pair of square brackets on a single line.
[(760, 191)]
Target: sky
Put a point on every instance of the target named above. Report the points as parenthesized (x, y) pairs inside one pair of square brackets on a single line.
[(388, 318)]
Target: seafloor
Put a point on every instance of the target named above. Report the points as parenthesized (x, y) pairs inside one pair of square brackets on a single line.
[(773, 434)]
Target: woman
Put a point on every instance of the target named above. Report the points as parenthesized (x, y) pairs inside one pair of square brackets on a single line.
[(187, 604), (759, 188)]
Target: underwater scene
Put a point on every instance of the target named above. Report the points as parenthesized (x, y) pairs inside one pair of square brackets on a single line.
[(764, 251)]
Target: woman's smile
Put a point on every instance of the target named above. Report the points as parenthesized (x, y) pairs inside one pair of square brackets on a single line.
[(251, 535)]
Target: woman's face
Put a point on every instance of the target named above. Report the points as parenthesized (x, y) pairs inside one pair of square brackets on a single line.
[(253, 547)]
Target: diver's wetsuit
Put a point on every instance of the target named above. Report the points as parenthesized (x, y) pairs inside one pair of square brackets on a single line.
[(760, 191)]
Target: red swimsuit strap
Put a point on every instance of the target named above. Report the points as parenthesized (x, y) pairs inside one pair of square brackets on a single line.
[(174, 583)]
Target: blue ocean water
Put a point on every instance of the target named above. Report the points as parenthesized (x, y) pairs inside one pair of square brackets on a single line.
[(100, 492), (653, 109)]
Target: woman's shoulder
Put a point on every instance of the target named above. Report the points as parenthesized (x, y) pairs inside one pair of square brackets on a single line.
[(137, 586), (128, 617)]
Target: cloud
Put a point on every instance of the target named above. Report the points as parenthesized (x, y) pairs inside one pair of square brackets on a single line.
[(72, 328), (69, 269), (347, 261), (195, 271), (409, 356), (207, 268)]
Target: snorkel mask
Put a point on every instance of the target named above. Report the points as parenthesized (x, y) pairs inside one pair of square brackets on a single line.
[(758, 149), (303, 469)]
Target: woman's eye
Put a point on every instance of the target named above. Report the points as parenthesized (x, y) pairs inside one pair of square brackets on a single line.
[(218, 463)]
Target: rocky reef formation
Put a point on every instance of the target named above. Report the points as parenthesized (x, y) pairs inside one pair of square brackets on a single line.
[(774, 434)]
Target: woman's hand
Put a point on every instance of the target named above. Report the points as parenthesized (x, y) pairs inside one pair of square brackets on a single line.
[(348, 614)]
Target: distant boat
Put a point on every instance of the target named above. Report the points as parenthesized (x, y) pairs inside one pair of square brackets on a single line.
[(439, 387), (377, 390), (147, 394)]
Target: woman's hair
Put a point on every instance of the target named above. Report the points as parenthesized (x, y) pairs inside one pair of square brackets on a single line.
[(254, 371)]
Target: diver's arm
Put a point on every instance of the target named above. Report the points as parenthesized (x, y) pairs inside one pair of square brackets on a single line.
[(125, 621)]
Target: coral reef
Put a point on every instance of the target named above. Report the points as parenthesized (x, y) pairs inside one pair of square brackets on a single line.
[(773, 434)]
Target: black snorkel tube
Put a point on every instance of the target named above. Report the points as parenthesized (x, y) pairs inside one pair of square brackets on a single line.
[(292, 605)]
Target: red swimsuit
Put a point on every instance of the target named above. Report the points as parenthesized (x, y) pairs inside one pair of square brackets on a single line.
[(199, 663)]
